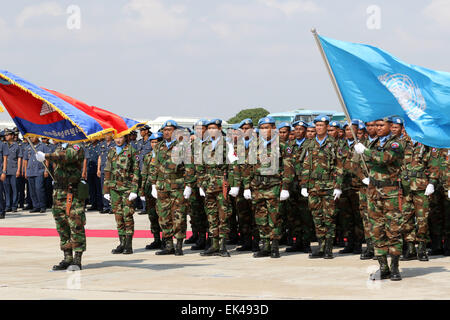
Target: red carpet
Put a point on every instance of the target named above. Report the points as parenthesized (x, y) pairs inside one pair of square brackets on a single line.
[(47, 232)]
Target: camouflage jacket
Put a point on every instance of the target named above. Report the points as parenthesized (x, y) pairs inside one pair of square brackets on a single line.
[(419, 166), (173, 166), (351, 161), (68, 165), (122, 170), (441, 170), (297, 161), (148, 165), (385, 165), (323, 166), (244, 163)]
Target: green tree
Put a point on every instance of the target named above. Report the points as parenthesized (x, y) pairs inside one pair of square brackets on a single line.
[(255, 114)]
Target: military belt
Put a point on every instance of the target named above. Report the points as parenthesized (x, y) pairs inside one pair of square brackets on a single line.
[(416, 174), (320, 176), (267, 179), (172, 176), (381, 184)]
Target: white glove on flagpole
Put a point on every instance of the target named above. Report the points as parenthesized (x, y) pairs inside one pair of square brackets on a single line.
[(132, 196), (337, 193), (107, 196), (429, 190), (247, 194), (304, 192), (284, 195), (187, 192), (154, 192), (366, 181), (234, 192), (40, 156), (359, 148)]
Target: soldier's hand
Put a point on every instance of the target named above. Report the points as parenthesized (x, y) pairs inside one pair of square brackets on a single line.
[(247, 194), (234, 192), (45, 174), (304, 192), (429, 190), (40, 156), (3, 177), (201, 192), (284, 195), (187, 192), (107, 196), (132, 196), (99, 173), (448, 195), (366, 181), (359, 148), (336, 193), (142, 198), (154, 192)]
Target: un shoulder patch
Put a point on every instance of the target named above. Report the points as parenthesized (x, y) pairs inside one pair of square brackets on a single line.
[(289, 150), (76, 147), (137, 158), (395, 145)]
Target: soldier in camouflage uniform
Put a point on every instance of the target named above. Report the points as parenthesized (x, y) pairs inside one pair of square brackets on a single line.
[(284, 129), (120, 187), (146, 189), (267, 184), (385, 196), (321, 181), (419, 178), (173, 179), (68, 208)]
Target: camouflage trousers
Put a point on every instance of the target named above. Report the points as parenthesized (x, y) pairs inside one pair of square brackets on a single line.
[(172, 209), (350, 216), (266, 203), (123, 212), (246, 216), (386, 220), (218, 210), (199, 221), (70, 228), (364, 211), (439, 216), (150, 209), (323, 211), (299, 219), (416, 208)]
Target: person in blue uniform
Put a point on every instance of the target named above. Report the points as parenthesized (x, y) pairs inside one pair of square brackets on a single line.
[(4, 152), (104, 147), (95, 191), (12, 171)]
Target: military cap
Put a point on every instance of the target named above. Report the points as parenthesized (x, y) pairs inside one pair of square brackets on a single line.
[(266, 120), (201, 122), (362, 126), (283, 124), (156, 136), (335, 124), (145, 127), (245, 121), (8, 131), (299, 123), (387, 119), (217, 122), (397, 120), (170, 123), (311, 125), (2, 133), (322, 118), (235, 126), (134, 133)]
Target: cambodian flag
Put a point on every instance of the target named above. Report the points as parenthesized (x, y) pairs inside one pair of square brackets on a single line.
[(42, 112)]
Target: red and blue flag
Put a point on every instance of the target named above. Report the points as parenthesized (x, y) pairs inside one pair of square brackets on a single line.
[(47, 113)]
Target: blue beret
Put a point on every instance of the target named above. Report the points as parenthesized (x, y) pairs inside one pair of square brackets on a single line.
[(335, 124), (235, 126), (387, 119), (311, 125), (201, 122), (300, 123), (170, 123), (397, 120), (283, 124), (245, 121), (266, 120), (217, 122), (362, 126), (322, 118), (356, 122), (156, 136)]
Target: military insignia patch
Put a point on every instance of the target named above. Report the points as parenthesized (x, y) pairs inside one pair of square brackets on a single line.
[(395, 145), (434, 149), (289, 150), (76, 147), (137, 158)]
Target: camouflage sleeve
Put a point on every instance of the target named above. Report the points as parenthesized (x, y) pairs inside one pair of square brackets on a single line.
[(384, 157), (153, 172), (432, 168), (189, 169), (288, 170), (306, 172), (107, 170), (200, 172), (338, 169), (135, 171), (144, 173)]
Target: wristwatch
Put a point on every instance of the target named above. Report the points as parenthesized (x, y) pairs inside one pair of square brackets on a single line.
[(4, 172)]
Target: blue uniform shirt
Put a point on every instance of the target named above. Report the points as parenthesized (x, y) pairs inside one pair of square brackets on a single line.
[(4, 151), (104, 148), (34, 167), (15, 152)]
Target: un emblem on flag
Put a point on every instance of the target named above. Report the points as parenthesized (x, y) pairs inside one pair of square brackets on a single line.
[(406, 92)]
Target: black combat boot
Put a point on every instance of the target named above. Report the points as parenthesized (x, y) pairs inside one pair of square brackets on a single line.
[(296, 247), (436, 246), (66, 262), (76, 263), (156, 244), (265, 251), (411, 253), (422, 251), (357, 247), (247, 244), (233, 238), (349, 246), (128, 247), (201, 242), (369, 252), (320, 252), (223, 248), (192, 239), (329, 249), (395, 272), (447, 247), (120, 247), (306, 246), (284, 239), (213, 249), (255, 244), (208, 241), (384, 271), (275, 250), (179, 248), (167, 249), (2, 215)]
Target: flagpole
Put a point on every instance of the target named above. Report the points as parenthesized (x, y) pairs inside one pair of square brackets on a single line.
[(32, 146), (338, 92)]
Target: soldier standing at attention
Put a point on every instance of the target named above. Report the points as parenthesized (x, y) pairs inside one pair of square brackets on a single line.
[(68, 208), (173, 178), (12, 171), (321, 181), (104, 147), (121, 187), (143, 147), (311, 131), (385, 197)]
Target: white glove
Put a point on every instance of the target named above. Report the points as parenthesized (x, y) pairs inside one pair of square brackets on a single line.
[(359, 148), (366, 181), (337, 193), (429, 190), (107, 196), (304, 192), (247, 194), (234, 192), (448, 194), (154, 192), (284, 195), (202, 192), (40, 156), (132, 196), (142, 198), (187, 192)]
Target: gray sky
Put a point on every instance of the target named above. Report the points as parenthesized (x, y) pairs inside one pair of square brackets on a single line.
[(194, 58)]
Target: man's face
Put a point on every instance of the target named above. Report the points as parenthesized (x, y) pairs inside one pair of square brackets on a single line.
[(371, 128), (120, 141), (341, 133), (248, 130), (300, 132), (383, 128), (153, 143), (34, 140), (167, 133), (144, 133), (284, 134), (213, 130), (265, 130), (200, 131), (291, 135), (332, 131), (310, 133), (361, 134), (9, 137), (321, 128), (396, 129)]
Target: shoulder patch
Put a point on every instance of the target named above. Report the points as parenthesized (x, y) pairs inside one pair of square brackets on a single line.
[(76, 147), (137, 158), (395, 145), (289, 150)]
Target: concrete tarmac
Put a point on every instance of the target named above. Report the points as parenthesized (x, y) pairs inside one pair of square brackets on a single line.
[(26, 262)]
